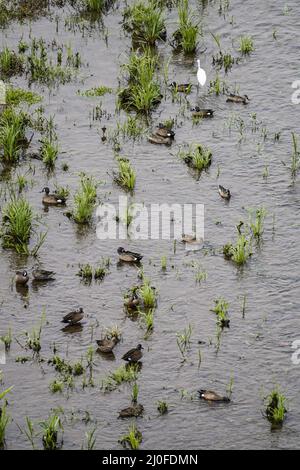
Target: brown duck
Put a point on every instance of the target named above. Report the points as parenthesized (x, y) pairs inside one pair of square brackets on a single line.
[(131, 411), (202, 113), (164, 131), (237, 99), (106, 345), (52, 199), (21, 277), (74, 317), (134, 355), (129, 256), (209, 395), (224, 193)]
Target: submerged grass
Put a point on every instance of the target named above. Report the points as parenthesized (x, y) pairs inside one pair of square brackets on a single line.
[(221, 310), (185, 37), (246, 45)]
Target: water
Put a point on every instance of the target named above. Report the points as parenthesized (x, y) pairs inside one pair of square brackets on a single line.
[(256, 350)]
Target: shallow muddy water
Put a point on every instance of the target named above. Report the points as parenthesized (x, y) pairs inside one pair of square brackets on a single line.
[(256, 350)]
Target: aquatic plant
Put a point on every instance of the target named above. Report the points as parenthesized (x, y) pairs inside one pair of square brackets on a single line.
[(145, 21), (221, 310), (4, 417), (86, 272), (11, 135), (184, 339), (124, 373), (135, 393), (257, 226), (17, 220), (16, 96), (90, 439), (147, 293), (85, 200), (148, 319), (143, 91), (240, 252), (218, 86), (185, 37), (113, 331), (7, 340), (163, 262), (275, 407), (50, 429), (10, 63), (246, 45), (96, 91), (33, 339), (295, 158), (49, 152), (94, 6), (162, 407), (56, 386), (196, 156), (131, 128), (126, 176), (133, 438)]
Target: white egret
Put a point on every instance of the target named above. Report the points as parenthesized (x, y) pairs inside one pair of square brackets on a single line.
[(201, 74)]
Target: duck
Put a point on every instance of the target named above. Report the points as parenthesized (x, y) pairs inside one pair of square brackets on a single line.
[(74, 317), (133, 355), (43, 275), (156, 139), (190, 238), (132, 302), (237, 99), (209, 395), (164, 131), (131, 411), (224, 193), (129, 256), (182, 87), (52, 199), (22, 277), (106, 345), (202, 113)]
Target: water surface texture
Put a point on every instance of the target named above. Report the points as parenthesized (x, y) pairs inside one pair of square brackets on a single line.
[(255, 352)]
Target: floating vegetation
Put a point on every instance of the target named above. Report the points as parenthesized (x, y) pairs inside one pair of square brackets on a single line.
[(133, 439), (223, 60), (196, 156), (145, 21), (246, 45), (85, 200), (143, 91), (124, 373), (162, 407), (17, 226), (221, 310), (126, 175), (185, 37), (276, 408), (50, 429), (96, 91)]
